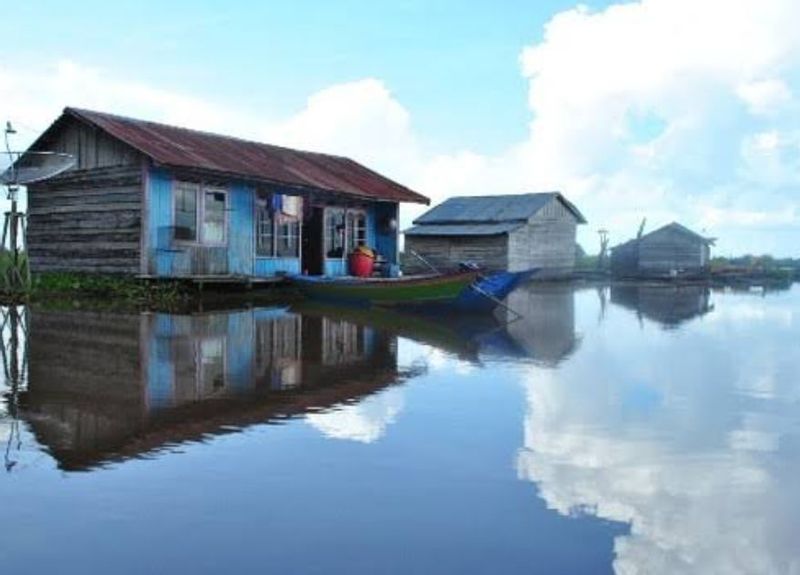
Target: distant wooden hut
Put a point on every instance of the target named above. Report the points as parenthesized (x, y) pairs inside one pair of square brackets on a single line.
[(161, 201), (502, 232), (672, 250)]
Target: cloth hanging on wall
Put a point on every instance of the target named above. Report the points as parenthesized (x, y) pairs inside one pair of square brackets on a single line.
[(277, 203), (292, 205)]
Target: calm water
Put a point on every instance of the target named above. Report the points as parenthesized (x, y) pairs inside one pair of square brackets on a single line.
[(633, 430)]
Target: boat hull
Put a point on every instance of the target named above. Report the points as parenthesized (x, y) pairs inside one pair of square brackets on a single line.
[(388, 291)]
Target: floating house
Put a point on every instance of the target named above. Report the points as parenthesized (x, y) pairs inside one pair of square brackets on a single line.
[(503, 232), (160, 201), (672, 250)]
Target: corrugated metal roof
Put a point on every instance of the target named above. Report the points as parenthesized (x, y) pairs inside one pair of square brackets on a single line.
[(492, 209), (463, 229), (184, 148)]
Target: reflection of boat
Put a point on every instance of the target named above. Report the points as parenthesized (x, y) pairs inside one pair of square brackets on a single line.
[(466, 290), (449, 332)]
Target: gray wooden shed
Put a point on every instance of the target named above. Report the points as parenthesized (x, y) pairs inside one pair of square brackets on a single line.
[(502, 232), (672, 250)]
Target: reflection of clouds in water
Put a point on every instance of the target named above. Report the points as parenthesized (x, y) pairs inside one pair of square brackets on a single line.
[(411, 353), (756, 309), (704, 473), (365, 421)]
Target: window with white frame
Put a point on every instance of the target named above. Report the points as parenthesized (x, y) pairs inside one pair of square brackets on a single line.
[(277, 233), (265, 225), (345, 230), (199, 214), (213, 216), (186, 211), (334, 232), (356, 229), (288, 237)]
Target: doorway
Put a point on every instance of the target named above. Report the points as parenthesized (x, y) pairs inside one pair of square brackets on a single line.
[(313, 260)]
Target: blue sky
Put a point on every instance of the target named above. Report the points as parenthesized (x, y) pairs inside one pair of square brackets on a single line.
[(453, 64), (665, 109)]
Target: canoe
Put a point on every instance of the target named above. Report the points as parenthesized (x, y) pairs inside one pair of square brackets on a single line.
[(467, 291), (497, 286), (385, 291)]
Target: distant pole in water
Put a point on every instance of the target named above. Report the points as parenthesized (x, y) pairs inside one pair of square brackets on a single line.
[(603, 256)]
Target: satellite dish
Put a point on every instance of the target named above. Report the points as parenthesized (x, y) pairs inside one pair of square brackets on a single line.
[(29, 167)]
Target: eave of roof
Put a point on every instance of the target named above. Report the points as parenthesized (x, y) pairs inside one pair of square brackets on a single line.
[(176, 147)]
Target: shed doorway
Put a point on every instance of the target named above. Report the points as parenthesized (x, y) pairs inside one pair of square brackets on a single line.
[(312, 257)]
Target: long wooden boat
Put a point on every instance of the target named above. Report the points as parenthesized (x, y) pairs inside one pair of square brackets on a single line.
[(385, 291), (466, 290)]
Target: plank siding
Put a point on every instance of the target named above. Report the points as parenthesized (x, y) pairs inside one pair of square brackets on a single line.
[(91, 147), (445, 253), (664, 252), (86, 220), (547, 241)]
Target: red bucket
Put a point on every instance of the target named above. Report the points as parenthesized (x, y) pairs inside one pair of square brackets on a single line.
[(361, 264)]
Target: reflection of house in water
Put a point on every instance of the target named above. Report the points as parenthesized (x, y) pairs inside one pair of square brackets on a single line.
[(104, 386), (546, 330), (667, 305)]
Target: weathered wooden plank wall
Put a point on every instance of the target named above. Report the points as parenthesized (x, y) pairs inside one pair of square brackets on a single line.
[(547, 241), (660, 253), (671, 250), (445, 253), (91, 147), (86, 221)]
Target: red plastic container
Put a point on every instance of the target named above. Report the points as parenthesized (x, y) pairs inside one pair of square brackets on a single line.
[(361, 264)]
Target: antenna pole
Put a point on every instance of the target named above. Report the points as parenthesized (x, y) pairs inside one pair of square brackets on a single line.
[(12, 217)]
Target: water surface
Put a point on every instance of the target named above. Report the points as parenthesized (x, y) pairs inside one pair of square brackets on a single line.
[(631, 429)]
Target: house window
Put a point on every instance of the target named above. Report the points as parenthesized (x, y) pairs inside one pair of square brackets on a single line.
[(288, 236), (213, 217), (193, 207), (334, 232), (356, 229), (265, 226), (186, 212), (345, 230)]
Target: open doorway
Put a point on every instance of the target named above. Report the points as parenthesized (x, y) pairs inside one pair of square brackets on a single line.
[(313, 259)]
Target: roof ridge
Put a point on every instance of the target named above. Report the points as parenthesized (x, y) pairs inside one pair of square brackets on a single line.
[(551, 193), (83, 112)]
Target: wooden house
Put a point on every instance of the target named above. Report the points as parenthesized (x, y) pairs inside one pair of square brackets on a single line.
[(154, 200), (672, 250), (502, 232)]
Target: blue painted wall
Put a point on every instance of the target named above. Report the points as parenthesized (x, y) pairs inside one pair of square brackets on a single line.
[(165, 259), (385, 240), (241, 229), (266, 267)]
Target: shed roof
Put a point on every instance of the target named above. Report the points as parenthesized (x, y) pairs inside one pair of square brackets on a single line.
[(173, 146), (463, 229), (493, 209)]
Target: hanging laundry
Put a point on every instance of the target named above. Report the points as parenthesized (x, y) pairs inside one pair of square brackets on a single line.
[(292, 205), (277, 203)]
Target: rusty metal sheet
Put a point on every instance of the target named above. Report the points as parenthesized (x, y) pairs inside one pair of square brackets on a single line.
[(184, 148)]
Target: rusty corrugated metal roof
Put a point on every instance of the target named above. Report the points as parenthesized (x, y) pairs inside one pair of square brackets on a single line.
[(184, 148)]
